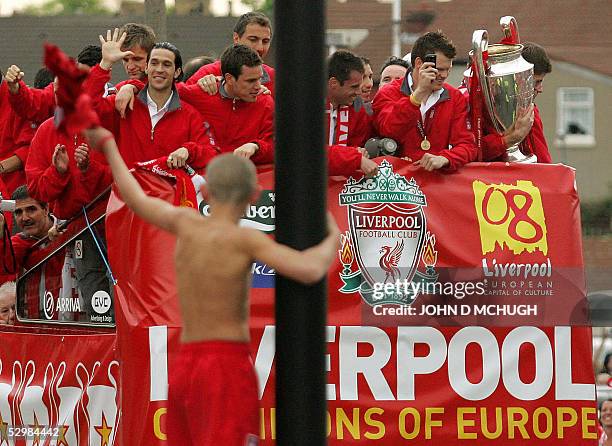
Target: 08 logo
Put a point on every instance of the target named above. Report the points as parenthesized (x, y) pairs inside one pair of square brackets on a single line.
[(510, 216)]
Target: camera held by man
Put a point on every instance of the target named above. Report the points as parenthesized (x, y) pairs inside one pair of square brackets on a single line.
[(381, 147)]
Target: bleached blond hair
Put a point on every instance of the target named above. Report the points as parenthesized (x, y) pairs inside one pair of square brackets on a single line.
[(231, 179)]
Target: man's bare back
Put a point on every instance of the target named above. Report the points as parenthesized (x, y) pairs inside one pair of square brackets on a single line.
[(213, 279), (213, 265)]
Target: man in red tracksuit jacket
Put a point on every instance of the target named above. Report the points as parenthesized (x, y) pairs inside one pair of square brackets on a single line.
[(39, 105), (160, 123), (62, 171), (424, 114), (238, 117), (34, 219), (349, 118), (254, 30), (15, 136), (527, 131)]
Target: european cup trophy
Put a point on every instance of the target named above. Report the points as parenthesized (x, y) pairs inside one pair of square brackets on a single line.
[(505, 80)]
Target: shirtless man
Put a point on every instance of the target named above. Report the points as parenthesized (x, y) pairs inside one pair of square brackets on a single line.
[(213, 388)]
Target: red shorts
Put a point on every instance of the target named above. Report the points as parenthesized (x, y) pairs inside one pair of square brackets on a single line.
[(213, 396)]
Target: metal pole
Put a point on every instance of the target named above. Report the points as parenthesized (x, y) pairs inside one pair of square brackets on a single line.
[(396, 20), (301, 181)]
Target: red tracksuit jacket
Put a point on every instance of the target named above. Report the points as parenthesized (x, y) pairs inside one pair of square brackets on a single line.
[(22, 245), (181, 126), (343, 158), (494, 148), (33, 104), (446, 123), (66, 193), (37, 105), (233, 122), (22, 248), (15, 136), (360, 128), (215, 68)]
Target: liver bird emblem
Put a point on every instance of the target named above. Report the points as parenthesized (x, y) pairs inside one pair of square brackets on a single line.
[(389, 261)]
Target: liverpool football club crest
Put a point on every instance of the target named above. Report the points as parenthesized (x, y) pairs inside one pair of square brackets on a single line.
[(387, 243)]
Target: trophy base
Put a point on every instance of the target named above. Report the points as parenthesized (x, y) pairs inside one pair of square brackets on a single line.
[(514, 155)]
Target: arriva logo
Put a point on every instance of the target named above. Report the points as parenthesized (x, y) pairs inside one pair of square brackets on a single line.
[(510, 216)]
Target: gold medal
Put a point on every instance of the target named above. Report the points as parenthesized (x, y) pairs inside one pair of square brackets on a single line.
[(425, 144)]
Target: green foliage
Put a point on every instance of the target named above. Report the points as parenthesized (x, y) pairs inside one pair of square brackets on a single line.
[(597, 217), (56, 7), (265, 6)]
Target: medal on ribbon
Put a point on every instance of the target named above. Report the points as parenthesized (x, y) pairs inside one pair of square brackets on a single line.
[(425, 144)]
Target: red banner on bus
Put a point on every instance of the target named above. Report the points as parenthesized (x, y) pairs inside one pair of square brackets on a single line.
[(457, 311)]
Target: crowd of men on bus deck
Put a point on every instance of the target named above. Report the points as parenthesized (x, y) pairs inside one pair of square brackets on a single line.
[(226, 105)]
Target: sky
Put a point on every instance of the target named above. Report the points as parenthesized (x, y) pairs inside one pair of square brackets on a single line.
[(219, 7)]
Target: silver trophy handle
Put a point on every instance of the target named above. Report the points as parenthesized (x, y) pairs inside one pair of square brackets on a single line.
[(510, 28), (480, 45)]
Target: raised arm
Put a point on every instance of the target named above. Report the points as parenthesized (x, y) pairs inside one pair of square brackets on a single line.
[(308, 266), (100, 74), (153, 210), (47, 166), (29, 103), (394, 112)]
